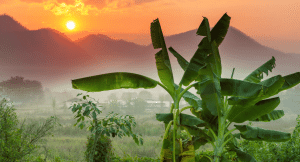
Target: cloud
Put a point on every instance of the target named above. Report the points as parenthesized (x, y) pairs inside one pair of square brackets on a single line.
[(5, 1), (69, 7), (116, 3)]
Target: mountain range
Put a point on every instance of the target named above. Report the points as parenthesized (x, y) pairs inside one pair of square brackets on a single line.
[(49, 56)]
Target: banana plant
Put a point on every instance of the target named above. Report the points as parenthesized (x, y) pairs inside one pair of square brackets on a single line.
[(213, 113)]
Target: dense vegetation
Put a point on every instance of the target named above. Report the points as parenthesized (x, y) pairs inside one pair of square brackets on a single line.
[(69, 142)]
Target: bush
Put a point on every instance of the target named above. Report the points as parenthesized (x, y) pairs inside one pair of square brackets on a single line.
[(102, 151), (16, 143)]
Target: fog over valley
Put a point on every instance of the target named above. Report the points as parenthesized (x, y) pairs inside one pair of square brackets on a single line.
[(51, 58)]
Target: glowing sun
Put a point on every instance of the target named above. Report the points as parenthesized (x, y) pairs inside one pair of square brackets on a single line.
[(70, 25)]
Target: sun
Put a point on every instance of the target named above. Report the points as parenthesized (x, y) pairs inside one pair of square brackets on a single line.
[(70, 25)]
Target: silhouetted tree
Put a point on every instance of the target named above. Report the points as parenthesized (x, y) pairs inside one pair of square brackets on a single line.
[(20, 90)]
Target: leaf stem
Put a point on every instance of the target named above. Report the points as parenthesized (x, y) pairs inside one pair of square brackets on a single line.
[(187, 107)]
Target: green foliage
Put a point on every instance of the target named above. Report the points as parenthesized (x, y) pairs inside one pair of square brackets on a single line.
[(9, 134), (214, 112), (16, 143), (102, 149), (114, 106), (104, 126), (277, 152)]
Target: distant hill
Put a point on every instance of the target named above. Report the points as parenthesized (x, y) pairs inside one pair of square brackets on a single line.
[(51, 57), (8, 24), (104, 48)]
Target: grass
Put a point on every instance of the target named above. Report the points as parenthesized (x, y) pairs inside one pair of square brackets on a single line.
[(68, 143)]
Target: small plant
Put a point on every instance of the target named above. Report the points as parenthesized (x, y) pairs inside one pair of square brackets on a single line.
[(104, 126)]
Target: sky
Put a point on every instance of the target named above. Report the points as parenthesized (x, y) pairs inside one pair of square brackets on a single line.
[(264, 20)]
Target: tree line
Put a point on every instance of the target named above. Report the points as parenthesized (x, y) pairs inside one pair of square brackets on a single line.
[(135, 103), (24, 91)]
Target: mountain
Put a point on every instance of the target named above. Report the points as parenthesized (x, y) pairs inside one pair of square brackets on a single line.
[(38, 48), (237, 50), (104, 48), (8, 24), (51, 57), (45, 54)]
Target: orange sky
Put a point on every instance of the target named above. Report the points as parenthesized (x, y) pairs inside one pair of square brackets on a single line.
[(259, 19)]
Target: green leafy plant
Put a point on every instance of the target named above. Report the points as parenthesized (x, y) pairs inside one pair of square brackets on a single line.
[(284, 151), (16, 143), (103, 149), (104, 126), (214, 113)]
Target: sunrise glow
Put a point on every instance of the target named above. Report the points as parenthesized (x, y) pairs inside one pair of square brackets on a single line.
[(70, 25)]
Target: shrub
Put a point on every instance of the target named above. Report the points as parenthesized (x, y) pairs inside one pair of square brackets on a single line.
[(102, 150)]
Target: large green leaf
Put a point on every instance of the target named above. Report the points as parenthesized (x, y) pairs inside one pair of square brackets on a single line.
[(256, 76), (243, 156), (199, 61), (290, 81), (185, 119), (258, 134), (233, 146), (240, 114), (210, 91), (111, 81), (207, 67), (163, 64), (237, 88), (182, 62), (219, 31), (268, 88), (274, 115)]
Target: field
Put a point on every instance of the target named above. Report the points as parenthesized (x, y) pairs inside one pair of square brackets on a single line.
[(68, 143)]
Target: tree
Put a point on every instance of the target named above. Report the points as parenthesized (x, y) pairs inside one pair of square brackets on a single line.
[(145, 95), (138, 106), (127, 96), (20, 90), (114, 106)]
